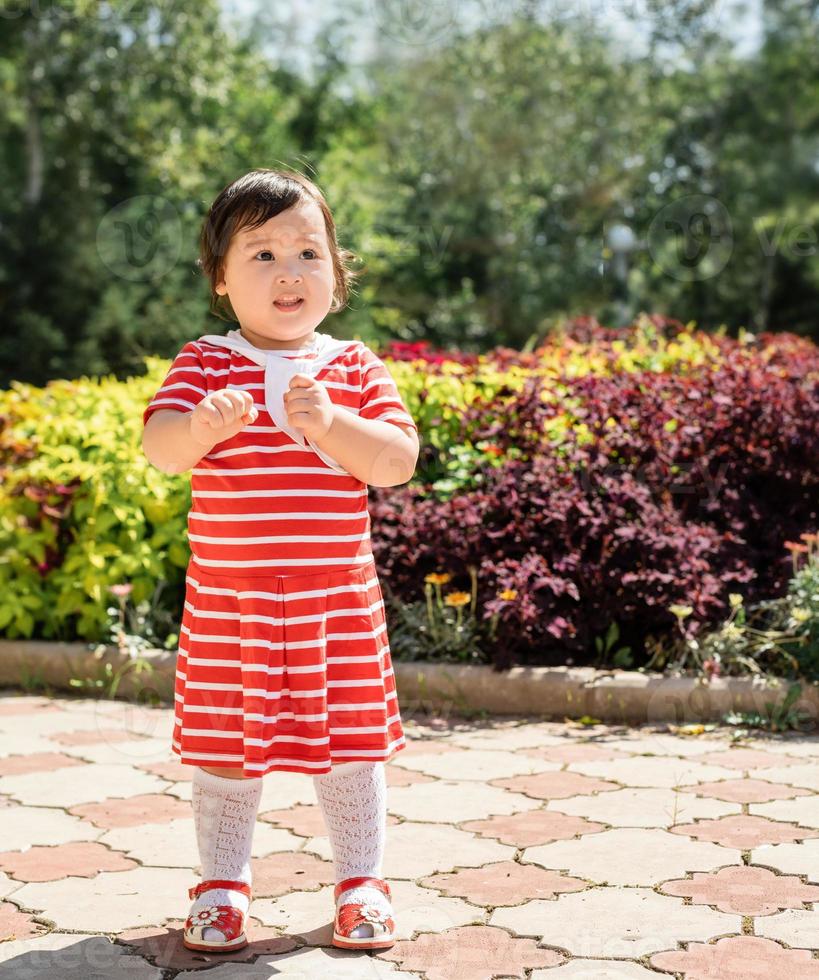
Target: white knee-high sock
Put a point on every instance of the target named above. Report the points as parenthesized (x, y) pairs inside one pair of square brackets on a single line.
[(353, 800), (224, 812)]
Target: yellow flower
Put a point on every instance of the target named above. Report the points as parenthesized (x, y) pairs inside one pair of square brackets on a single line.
[(800, 615), (681, 611), (508, 594), (457, 599), (437, 578), (735, 599)]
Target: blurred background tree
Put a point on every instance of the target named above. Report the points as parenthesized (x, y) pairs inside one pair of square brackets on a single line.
[(476, 156)]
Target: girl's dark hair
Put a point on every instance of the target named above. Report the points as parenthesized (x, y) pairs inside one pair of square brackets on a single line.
[(248, 202)]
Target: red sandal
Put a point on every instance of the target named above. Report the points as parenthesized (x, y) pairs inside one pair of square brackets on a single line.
[(353, 914), (226, 918)]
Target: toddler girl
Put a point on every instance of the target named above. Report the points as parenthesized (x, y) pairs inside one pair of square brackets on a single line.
[(284, 661)]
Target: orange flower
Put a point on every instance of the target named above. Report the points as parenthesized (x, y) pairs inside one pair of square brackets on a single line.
[(437, 578), (457, 599)]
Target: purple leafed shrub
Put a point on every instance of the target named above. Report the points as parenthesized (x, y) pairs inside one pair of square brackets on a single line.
[(685, 490)]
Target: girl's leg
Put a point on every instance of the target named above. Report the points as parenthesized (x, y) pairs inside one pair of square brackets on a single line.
[(224, 810), (353, 800), (229, 773)]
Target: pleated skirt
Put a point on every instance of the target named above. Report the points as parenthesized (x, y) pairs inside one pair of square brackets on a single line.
[(287, 672)]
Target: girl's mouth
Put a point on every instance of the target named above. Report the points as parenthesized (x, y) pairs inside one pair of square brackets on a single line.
[(288, 307)]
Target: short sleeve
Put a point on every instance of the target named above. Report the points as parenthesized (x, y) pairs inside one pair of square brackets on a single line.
[(380, 398), (185, 384)]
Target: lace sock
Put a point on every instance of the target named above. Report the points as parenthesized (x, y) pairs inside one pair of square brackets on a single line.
[(353, 800), (224, 812)]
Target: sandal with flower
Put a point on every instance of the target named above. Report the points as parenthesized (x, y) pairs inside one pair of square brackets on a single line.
[(229, 920), (353, 914)]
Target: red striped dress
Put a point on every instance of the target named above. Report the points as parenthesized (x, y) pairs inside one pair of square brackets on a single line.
[(284, 660)]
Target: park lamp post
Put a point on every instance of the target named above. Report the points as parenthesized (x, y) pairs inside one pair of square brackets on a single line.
[(621, 241)]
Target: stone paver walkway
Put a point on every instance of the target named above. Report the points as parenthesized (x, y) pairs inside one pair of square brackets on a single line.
[(515, 848)]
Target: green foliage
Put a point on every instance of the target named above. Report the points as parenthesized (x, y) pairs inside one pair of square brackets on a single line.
[(81, 509), (438, 629), (477, 187), (774, 637)]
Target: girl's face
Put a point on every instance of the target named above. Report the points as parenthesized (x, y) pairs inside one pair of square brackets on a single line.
[(286, 257)]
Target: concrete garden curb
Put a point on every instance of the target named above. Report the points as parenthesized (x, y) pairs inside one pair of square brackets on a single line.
[(551, 692)]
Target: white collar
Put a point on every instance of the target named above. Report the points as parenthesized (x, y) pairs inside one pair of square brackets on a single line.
[(280, 366)]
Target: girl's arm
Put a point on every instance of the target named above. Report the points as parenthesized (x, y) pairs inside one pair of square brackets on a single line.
[(380, 454), (168, 444)]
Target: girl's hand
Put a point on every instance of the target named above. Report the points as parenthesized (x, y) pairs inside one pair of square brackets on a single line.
[(308, 406), (222, 414)]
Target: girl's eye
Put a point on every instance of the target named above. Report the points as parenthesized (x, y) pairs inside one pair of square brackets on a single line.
[(266, 251)]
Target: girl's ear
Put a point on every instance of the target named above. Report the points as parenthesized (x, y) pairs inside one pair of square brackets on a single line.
[(221, 286)]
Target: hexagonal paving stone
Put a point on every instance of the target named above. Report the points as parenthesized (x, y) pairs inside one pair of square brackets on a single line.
[(663, 771), (802, 810), (305, 964), (614, 922), (172, 770), (555, 785), (740, 958), (277, 874), (745, 790), (504, 883), (111, 901), (478, 765), (801, 746), (414, 849), (308, 915), (631, 857), (470, 953), (16, 765), (15, 924), (301, 819), (422, 747), (794, 927), (798, 859), (567, 753), (25, 826), (8, 885), (511, 739), (122, 752), (81, 784), (452, 802), (802, 774), (94, 736), (396, 776), (744, 831), (170, 844), (79, 859), (744, 890), (536, 827), (745, 760), (12, 705), (596, 970), (22, 743), (638, 741), (134, 811), (42, 724), (303, 915), (163, 946), (69, 957), (643, 807)]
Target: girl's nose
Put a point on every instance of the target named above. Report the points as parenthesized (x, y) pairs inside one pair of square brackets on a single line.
[(289, 274)]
